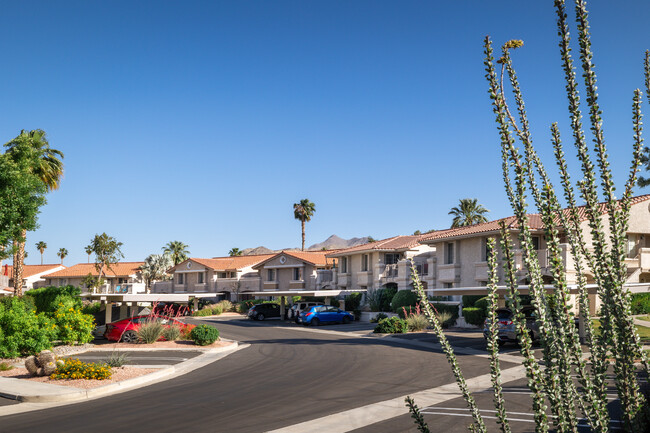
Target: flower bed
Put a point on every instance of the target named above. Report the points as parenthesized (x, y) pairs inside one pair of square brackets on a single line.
[(119, 374)]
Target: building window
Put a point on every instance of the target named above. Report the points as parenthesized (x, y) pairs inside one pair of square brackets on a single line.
[(201, 278), (449, 253), (297, 274), (484, 253), (270, 274), (344, 265), (447, 285), (391, 258), (535, 240), (364, 262), (180, 278)]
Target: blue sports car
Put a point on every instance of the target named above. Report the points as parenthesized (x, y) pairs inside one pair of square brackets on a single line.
[(324, 314)]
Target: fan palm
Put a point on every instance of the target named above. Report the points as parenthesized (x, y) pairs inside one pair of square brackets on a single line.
[(63, 253), (235, 252), (469, 212), (32, 148), (303, 211), (155, 268), (89, 251), (40, 246), (177, 250)]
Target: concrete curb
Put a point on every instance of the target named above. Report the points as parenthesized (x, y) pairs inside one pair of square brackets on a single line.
[(59, 393)]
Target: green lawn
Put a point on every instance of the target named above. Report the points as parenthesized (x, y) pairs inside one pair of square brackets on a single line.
[(645, 318), (644, 331)]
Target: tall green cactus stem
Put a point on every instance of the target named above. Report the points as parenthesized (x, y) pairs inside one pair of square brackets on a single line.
[(423, 427)]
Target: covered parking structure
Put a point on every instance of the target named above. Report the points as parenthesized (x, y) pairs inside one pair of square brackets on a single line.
[(129, 302), (327, 294)]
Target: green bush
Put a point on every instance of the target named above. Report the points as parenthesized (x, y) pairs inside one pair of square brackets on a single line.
[(474, 316), (417, 322), (392, 325), (353, 301), (204, 335), (47, 299), (172, 333), (117, 359), (450, 309), (640, 303), (483, 304), (470, 300), (217, 309), (72, 326), (386, 297), (150, 331), (225, 305), (378, 317), (91, 308), (22, 331), (403, 298)]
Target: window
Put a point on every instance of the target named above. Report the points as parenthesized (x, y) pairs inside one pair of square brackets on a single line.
[(391, 258), (201, 278), (484, 252), (180, 278), (535, 243), (223, 275), (364, 262), (297, 274), (344, 265), (270, 275), (447, 285), (449, 253)]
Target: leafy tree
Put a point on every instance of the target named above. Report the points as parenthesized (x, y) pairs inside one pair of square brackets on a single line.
[(371, 239), (40, 246), (303, 211), (89, 251), (178, 251), (32, 149), (107, 253), (468, 212), (92, 282), (235, 252), (62, 254), (417, 233), (155, 268)]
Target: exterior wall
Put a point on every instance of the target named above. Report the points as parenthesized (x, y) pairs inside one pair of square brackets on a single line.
[(284, 274)]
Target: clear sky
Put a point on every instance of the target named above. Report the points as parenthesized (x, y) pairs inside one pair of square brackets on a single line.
[(205, 121)]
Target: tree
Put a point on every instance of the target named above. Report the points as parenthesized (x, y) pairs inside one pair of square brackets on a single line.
[(33, 150), (645, 161), (155, 269), (371, 239), (417, 233), (89, 251), (107, 253), (178, 251), (41, 246), (469, 212), (303, 211), (235, 252), (63, 253)]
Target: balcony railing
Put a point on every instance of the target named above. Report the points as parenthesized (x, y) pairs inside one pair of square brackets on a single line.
[(390, 271), (422, 268)]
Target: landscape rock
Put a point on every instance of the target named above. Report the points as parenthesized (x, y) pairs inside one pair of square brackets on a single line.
[(43, 364)]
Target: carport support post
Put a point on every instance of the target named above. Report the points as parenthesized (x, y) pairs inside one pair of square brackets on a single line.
[(123, 311), (134, 309), (282, 309), (327, 300), (196, 304), (109, 312)]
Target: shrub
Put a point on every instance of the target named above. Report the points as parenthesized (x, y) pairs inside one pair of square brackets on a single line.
[(76, 369), (22, 331), (452, 310), (373, 297), (417, 322), (378, 317), (204, 335), (403, 298), (387, 296), (217, 309), (640, 303), (72, 326), (150, 331), (91, 308), (474, 316), (353, 301), (483, 304), (470, 300), (5, 366), (202, 313), (47, 299), (117, 359), (445, 317), (391, 325), (225, 305), (172, 333), (186, 331)]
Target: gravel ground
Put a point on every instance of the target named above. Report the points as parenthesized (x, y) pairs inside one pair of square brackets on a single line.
[(119, 374), (58, 351)]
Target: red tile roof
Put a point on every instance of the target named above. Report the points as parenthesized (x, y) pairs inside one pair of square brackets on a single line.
[(227, 263), (122, 269), (28, 270), (534, 223), (316, 258), (396, 243)]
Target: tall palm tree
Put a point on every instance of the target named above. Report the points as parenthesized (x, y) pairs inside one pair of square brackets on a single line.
[(303, 211), (63, 253), (178, 250), (89, 251), (33, 148), (40, 246), (469, 212), (235, 252)]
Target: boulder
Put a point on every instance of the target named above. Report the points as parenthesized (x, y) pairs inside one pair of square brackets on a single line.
[(42, 364)]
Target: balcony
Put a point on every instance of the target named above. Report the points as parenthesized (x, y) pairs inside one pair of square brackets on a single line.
[(200, 288), (344, 280), (390, 271), (481, 271), (542, 257), (364, 278), (296, 285), (270, 285), (449, 272)]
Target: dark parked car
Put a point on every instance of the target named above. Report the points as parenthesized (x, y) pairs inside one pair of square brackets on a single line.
[(264, 311), (507, 332), (324, 314)]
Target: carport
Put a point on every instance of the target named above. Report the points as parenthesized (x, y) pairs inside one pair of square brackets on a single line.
[(327, 294), (131, 301)]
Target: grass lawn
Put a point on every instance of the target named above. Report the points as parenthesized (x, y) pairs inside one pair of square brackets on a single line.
[(645, 318), (644, 332)]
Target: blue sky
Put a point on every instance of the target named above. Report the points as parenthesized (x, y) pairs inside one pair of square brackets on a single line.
[(205, 121)]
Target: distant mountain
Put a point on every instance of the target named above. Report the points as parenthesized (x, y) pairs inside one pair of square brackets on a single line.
[(332, 243)]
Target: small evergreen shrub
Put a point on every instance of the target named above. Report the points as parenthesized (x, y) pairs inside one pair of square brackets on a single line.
[(47, 299), (204, 335), (91, 308), (4, 366), (172, 333), (640, 303), (378, 317), (391, 325), (150, 331), (474, 316), (225, 305), (72, 326), (217, 309), (417, 322), (403, 298), (483, 304), (76, 369), (353, 301), (387, 296), (22, 331), (470, 300), (117, 359)]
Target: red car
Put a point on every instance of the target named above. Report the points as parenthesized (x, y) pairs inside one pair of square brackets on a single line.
[(126, 330)]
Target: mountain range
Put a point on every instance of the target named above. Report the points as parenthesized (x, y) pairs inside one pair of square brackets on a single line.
[(332, 243)]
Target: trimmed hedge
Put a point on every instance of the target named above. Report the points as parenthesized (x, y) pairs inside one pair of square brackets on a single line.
[(474, 316), (483, 304), (403, 298), (470, 300), (392, 325), (204, 335), (353, 301), (47, 299)]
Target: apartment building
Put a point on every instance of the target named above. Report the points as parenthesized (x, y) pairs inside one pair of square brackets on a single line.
[(122, 277), (296, 270), (33, 275)]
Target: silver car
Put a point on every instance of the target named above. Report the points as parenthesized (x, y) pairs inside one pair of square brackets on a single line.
[(507, 329)]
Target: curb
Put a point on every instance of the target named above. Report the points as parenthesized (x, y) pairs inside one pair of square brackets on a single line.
[(69, 394)]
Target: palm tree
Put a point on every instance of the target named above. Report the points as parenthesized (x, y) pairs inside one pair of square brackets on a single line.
[(235, 252), (89, 251), (63, 253), (33, 148), (177, 250), (303, 211), (155, 268), (40, 246), (469, 212)]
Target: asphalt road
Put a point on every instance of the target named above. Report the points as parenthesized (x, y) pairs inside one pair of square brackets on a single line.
[(287, 376), (162, 357)]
